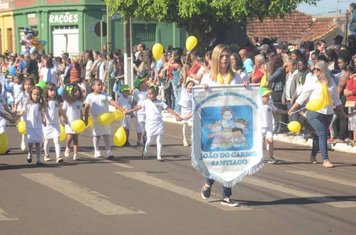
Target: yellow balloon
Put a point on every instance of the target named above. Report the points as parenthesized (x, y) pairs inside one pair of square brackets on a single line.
[(78, 126), (191, 42), (21, 127), (157, 51), (294, 126), (314, 105), (62, 136), (105, 119), (118, 115), (119, 138), (4, 144), (90, 122)]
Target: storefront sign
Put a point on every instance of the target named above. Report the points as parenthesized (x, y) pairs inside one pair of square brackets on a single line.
[(64, 18)]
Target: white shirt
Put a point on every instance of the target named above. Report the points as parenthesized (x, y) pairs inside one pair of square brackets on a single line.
[(99, 103), (125, 102), (236, 79), (53, 72), (52, 113), (289, 80), (153, 115), (266, 114), (73, 110), (312, 90)]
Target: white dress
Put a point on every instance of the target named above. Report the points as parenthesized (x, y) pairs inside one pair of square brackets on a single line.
[(52, 128), (186, 104), (154, 122), (33, 122), (2, 120), (22, 99), (125, 103), (73, 112), (139, 97), (98, 104)]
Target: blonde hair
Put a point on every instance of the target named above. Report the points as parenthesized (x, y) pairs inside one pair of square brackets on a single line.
[(325, 75), (215, 61)]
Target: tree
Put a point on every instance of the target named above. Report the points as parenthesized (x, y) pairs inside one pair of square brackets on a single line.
[(209, 20)]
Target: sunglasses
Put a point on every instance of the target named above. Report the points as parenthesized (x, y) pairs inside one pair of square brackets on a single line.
[(317, 69)]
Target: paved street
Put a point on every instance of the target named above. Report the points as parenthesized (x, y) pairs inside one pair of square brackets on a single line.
[(130, 195)]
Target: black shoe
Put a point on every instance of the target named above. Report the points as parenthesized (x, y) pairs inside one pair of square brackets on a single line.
[(29, 157), (111, 157), (127, 144), (39, 163), (205, 192)]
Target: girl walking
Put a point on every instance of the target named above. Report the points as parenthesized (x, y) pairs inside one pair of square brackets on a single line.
[(33, 115), (51, 128), (20, 102), (72, 106)]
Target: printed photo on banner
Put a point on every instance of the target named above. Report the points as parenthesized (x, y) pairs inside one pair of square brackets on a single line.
[(226, 128)]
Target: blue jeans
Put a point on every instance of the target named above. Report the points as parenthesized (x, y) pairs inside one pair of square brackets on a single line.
[(226, 191), (320, 123)]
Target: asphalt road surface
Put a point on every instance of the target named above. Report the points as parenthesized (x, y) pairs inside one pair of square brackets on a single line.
[(130, 195)]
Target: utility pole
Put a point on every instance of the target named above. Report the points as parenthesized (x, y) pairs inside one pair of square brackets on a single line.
[(128, 58)]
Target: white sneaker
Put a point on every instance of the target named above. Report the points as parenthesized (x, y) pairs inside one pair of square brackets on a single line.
[(59, 160), (229, 202), (185, 143), (76, 157), (97, 155), (23, 147), (160, 159), (46, 158), (66, 153)]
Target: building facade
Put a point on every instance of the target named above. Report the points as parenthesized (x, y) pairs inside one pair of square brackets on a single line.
[(7, 37), (75, 25)]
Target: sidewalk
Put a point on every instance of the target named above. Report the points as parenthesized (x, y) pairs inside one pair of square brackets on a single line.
[(342, 147)]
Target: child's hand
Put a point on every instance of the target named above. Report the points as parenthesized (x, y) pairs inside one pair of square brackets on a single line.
[(179, 118)]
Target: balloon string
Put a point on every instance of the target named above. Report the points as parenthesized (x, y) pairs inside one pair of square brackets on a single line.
[(298, 110), (284, 123)]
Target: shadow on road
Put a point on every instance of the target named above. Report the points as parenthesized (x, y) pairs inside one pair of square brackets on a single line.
[(299, 201)]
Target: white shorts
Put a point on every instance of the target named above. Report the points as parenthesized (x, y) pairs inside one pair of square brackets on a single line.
[(267, 133)]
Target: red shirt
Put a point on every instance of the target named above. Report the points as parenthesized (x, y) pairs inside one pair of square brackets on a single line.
[(351, 86)]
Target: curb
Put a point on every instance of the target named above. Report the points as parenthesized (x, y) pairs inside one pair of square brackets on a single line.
[(341, 147)]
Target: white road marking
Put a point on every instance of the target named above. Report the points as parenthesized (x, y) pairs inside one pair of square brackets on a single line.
[(3, 216), (332, 179), (80, 194), (317, 197), (104, 160), (145, 178), (122, 165)]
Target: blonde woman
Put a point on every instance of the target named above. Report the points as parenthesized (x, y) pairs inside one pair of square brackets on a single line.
[(320, 86), (220, 74)]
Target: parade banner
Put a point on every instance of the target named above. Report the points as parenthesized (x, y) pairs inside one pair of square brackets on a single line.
[(227, 138)]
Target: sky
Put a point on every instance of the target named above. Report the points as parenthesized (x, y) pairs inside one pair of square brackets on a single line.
[(325, 7)]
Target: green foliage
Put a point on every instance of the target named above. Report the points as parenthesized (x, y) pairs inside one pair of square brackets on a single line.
[(203, 18), (221, 10)]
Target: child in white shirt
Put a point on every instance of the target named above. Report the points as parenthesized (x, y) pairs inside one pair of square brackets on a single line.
[(97, 103), (125, 101), (186, 104), (154, 123), (266, 118)]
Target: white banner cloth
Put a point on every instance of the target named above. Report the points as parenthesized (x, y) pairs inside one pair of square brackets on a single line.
[(227, 138)]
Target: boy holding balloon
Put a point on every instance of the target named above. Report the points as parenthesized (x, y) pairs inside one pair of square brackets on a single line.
[(97, 103)]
